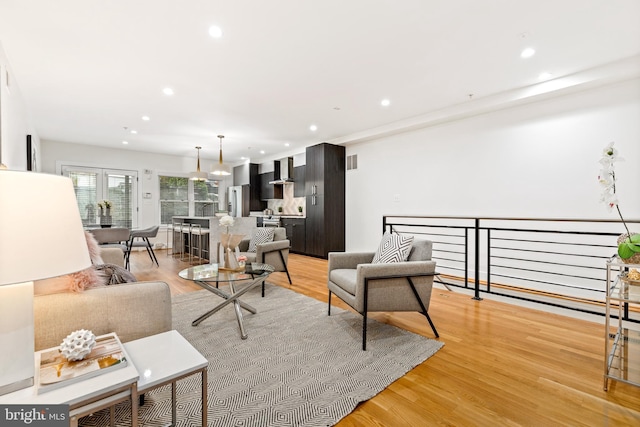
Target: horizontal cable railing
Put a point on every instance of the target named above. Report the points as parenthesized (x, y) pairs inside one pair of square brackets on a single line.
[(558, 262)]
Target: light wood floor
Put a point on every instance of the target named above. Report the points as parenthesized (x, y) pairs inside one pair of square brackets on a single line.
[(502, 365)]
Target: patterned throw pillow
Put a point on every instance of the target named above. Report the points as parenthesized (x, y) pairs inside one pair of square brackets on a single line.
[(394, 247), (260, 236)]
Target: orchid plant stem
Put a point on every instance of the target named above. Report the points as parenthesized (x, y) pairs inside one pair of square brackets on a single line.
[(623, 223)]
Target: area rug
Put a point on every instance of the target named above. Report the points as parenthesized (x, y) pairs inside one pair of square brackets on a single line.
[(298, 367)]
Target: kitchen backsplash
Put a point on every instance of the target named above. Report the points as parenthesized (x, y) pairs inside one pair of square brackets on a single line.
[(288, 203)]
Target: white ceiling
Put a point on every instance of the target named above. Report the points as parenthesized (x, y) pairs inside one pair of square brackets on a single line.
[(89, 68)]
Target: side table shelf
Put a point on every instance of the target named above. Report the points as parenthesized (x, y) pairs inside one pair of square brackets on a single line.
[(622, 346)]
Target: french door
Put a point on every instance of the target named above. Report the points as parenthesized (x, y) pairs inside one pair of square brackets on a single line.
[(93, 185)]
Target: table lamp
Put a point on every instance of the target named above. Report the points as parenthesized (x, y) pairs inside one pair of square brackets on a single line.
[(41, 236)]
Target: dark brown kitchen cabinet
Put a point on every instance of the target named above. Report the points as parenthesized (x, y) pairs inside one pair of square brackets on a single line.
[(295, 228), (247, 174), (325, 199), (298, 181), (269, 191)]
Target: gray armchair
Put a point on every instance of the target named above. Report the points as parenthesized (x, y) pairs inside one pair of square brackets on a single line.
[(275, 253), (366, 287)]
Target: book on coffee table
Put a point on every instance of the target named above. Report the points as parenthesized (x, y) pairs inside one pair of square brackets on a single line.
[(56, 371)]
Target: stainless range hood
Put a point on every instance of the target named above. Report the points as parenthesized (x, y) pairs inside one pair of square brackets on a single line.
[(283, 171)]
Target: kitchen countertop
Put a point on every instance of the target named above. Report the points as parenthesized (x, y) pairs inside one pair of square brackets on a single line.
[(283, 215)]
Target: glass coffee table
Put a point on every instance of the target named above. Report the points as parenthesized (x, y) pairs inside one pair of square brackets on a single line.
[(209, 277)]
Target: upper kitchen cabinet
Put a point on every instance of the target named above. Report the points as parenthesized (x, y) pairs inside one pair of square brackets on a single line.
[(298, 181), (325, 199), (268, 190), (247, 174)]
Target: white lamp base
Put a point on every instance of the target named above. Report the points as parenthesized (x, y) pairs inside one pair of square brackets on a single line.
[(16, 337)]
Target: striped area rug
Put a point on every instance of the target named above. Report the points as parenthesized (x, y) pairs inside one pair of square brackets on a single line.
[(298, 367)]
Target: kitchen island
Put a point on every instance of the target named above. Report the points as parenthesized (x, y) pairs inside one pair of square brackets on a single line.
[(243, 226)]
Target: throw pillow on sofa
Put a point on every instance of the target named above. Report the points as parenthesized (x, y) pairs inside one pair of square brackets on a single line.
[(99, 274), (115, 274)]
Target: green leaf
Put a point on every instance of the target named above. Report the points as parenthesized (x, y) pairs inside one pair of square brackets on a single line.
[(627, 250), (635, 238)]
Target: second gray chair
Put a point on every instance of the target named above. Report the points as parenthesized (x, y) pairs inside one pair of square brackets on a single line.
[(144, 235), (398, 286), (116, 237), (275, 253)]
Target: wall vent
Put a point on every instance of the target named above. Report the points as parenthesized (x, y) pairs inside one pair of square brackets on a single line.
[(352, 162)]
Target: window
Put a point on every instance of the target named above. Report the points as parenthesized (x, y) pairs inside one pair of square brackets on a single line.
[(180, 196), (94, 184), (174, 197), (205, 196)]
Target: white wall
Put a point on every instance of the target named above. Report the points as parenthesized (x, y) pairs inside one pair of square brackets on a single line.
[(534, 160), (15, 124)]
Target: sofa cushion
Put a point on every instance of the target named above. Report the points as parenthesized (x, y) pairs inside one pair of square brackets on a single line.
[(394, 247), (260, 236), (345, 278)]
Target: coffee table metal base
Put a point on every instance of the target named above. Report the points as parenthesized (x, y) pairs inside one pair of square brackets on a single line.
[(229, 298)]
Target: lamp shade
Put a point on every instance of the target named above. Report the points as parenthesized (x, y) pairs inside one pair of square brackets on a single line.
[(221, 169), (198, 175), (41, 232)]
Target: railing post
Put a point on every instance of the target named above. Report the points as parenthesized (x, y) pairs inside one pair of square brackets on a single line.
[(466, 257), (476, 295), (488, 260), (384, 223)]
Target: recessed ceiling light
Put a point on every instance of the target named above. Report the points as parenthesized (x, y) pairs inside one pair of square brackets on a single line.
[(385, 102), (545, 76), (243, 158), (286, 144), (528, 52), (146, 118), (313, 128), (125, 142), (215, 31), (133, 131), (167, 91), (261, 151)]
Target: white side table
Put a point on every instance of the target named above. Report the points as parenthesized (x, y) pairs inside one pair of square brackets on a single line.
[(165, 358), (86, 396)]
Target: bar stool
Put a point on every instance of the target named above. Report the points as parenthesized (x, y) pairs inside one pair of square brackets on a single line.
[(196, 232), (169, 232), (178, 238)]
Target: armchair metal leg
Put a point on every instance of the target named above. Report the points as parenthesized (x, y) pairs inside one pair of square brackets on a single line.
[(285, 266), (329, 308), (364, 331), (424, 309), (364, 314), (432, 325)]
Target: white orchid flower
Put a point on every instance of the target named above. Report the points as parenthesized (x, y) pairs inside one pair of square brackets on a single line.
[(227, 221), (606, 180), (610, 155), (610, 200)]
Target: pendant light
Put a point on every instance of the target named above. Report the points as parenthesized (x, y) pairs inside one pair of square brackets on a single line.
[(197, 175), (221, 168)]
